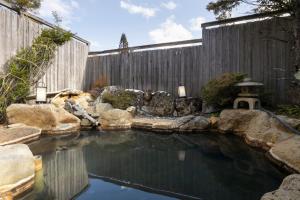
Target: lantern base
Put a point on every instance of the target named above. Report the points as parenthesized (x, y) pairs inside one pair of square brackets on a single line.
[(253, 103)]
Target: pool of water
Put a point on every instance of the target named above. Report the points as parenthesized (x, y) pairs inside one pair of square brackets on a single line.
[(145, 166)]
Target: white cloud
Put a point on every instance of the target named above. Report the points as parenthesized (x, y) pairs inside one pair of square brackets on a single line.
[(170, 31), (64, 8), (135, 9), (196, 23), (171, 5)]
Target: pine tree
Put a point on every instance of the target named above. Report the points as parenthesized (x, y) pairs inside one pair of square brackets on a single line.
[(123, 42)]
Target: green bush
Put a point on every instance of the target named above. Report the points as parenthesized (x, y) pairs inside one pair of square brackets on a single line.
[(28, 66), (121, 99), (289, 110), (221, 91), (23, 5)]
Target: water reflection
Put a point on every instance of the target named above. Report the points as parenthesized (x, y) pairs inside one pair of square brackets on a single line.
[(64, 171), (208, 166)]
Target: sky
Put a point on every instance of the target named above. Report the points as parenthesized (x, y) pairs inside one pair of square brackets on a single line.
[(143, 21)]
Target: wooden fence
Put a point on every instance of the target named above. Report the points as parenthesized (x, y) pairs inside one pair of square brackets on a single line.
[(18, 31), (258, 48)]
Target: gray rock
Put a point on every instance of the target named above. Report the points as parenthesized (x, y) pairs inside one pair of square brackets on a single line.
[(102, 107), (115, 119), (85, 123), (132, 110), (107, 89), (17, 166), (257, 127), (287, 153), (295, 123), (161, 104), (289, 189), (74, 96), (196, 124), (187, 106), (161, 124)]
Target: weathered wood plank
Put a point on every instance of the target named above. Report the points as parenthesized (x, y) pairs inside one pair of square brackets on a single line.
[(68, 67), (233, 48)]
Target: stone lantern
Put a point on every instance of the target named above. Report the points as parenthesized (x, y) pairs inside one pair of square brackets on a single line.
[(249, 94)]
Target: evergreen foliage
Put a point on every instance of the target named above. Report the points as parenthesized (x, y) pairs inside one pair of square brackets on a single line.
[(221, 91), (28, 66), (23, 5)]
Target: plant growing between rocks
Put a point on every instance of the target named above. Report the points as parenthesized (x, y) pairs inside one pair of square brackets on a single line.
[(98, 86), (289, 110), (120, 99), (221, 92), (28, 66)]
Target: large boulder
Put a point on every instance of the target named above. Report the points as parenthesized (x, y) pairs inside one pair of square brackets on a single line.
[(51, 119), (160, 104), (100, 108), (187, 106), (198, 123), (81, 98), (287, 153), (293, 122), (113, 90), (288, 190), (115, 119), (257, 127), (17, 166)]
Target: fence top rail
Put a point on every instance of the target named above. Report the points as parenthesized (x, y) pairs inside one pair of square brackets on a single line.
[(150, 46), (242, 18), (39, 20)]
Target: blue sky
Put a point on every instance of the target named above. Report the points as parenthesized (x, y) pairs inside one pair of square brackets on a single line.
[(144, 21)]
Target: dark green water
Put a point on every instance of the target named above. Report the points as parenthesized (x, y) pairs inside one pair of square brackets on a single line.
[(145, 166)]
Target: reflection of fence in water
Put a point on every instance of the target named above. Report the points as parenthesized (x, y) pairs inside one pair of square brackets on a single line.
[(65, 173), (172, 166)]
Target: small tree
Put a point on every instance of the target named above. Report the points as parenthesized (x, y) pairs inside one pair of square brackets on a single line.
[(123, 42), (24, 5)]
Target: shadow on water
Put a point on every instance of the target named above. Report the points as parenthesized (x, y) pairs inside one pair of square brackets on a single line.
[(139, 165)]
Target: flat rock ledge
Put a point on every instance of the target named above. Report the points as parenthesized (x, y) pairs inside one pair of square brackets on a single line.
[(18, 134), (263, 131), (289, 189), (255, 126), (181, 124), (50, 119), (17, 170), (287, 154)]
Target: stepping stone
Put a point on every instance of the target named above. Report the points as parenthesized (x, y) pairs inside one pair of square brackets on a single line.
[(18, 135)]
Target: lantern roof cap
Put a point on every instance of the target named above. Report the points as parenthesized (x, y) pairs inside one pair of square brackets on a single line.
[(249, 82)]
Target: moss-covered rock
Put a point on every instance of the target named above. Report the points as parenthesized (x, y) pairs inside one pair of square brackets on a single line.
[(120, 99)]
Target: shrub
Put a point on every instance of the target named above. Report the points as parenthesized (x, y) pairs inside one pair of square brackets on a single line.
[(221, 91), (289, 110), (23, 5), (98, 86), (120, 99), (28, 66)]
